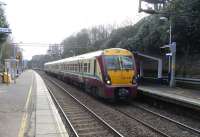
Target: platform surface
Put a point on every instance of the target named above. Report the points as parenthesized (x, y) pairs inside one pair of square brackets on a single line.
[(48, 121), (26, 109), (187, 97)]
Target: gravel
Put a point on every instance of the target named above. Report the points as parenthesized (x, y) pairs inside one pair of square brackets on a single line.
[(130, 127)]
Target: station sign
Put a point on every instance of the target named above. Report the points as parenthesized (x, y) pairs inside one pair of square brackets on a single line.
[(168, 54), (170, 49), (5, 30)]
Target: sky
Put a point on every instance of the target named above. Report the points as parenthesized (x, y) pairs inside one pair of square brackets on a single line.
[(51, 21)]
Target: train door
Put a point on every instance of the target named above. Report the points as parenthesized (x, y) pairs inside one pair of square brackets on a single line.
[(81, 76)]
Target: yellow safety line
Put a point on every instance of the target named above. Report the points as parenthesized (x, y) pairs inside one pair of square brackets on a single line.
[(25, 114)]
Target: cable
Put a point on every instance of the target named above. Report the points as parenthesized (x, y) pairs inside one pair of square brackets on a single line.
[(36, 44)]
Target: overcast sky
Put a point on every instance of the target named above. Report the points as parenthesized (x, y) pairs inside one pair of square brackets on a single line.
[(50, 21)]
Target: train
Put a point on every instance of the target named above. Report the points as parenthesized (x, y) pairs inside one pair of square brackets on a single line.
[(109, 73)]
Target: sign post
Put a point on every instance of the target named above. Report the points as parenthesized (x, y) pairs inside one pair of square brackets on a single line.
[(172, 63)]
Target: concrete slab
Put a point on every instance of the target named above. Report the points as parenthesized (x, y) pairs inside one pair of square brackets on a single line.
[(13, 99), (48, 121), (43, 112), (185, 97), (53, 135), (42, 129), (42, 107), (26, 109)]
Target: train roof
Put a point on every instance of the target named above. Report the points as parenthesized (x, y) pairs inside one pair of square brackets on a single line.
[(89, 55), (79, 57)]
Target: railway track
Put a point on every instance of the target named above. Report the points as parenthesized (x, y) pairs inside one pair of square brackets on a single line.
[(167, 118), (161, 131), (81, 120), (143, 123), (78, 116)]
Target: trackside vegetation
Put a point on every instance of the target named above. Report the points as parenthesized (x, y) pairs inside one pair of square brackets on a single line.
[(148, 35)]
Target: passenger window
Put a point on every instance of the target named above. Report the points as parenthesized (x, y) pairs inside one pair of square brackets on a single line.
[(81, 67), (88, 67), (76, 67), (94, 67), (85, 67)]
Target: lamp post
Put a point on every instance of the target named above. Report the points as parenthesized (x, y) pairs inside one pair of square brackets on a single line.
[(1, 4), (15, 63), (172, 55), (170, 41)]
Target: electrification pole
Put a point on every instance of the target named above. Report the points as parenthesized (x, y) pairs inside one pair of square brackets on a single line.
[(15, 62), (173, 65)]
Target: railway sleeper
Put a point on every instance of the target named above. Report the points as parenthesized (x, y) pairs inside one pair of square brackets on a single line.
[(80, 115), (91, 129), (80, 118), (71, 110), (82, 125), (96, 134), (72, 113), (82, 121)]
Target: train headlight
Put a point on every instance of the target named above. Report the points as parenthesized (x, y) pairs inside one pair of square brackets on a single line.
[(108, 82)]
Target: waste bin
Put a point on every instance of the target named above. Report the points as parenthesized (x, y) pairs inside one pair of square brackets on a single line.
[(6, 78)]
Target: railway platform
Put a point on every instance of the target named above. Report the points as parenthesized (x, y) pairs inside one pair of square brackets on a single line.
[(26, 109), (181, 96)]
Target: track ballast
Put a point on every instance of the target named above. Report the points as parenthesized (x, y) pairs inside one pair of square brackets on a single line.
[(82, 120)]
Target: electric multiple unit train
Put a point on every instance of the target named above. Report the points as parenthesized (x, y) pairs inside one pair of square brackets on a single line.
[(109, 73)]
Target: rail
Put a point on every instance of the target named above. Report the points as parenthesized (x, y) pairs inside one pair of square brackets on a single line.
[(63, 113), (111, 129), (143, 123), (167, 118)]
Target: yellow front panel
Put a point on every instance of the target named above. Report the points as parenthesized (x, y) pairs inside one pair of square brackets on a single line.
[(118, 75), (121, 77), (116, 51)]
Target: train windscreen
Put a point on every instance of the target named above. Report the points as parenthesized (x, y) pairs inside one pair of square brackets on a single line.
[(127, 62), (118, 62)]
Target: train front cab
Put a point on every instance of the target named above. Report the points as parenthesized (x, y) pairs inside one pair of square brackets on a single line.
[(120, 82)]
